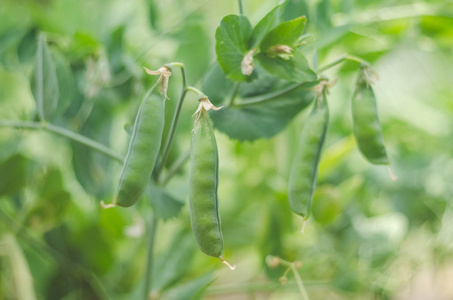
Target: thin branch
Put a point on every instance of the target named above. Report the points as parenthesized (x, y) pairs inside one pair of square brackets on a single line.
[(269, 96), (241, 10), (65, 133), (149, 261), (174, 123)]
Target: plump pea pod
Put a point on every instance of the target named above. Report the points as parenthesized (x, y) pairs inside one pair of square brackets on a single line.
[(366, 128), (302, 180), (203, 179), (143, 149)]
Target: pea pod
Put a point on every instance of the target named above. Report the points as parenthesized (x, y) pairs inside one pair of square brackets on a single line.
[(203, 179), (304, 171), (366, 128), (143, 149)]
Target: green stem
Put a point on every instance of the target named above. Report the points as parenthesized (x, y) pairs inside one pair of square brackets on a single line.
[(343, 59), (42, 248), (195, 91), (174, 123), (241, 10), (65, 133), (233, 94), (149, 261), (300, 284), (176, 167), (269, 96)]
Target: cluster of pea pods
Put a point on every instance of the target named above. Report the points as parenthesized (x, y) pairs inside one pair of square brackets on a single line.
[(146, 137)]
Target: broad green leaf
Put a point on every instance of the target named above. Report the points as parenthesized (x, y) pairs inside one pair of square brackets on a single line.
[(44, 82), (164, 205), (65, 82), (23, 280), (284, 34), (293, 9), (295, 69), (232, 37), (269, 22), (246, 120), (13, 175), (192, 290), (26, 50), (174, 263)]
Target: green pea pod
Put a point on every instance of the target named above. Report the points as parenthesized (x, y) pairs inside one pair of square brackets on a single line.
[(143, 149), (366, 128), (304, 171), (203, 179)]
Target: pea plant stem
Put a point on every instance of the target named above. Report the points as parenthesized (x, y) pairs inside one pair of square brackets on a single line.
[(174, 123), (300, 284), (270, 96), (341, 60), (65, 133), (150, 258), (241, 10)]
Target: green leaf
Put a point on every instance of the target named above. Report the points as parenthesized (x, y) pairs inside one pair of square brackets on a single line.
[(65, 82), (191, 290), (295, 69), (44, 83), (246, 120), (232, 38), (266, 24), (284, 34), (26, 50), (174, 263), (13, 175), (293, 9), (165, 206)]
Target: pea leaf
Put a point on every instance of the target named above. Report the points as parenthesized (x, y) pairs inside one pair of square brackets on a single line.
[(65, 82), (286, 33), (174, 262), (266, 24), (250, 119), (164, 205), (44, 83), (294, 8), (232, 37), (191, 290), (294, 69)]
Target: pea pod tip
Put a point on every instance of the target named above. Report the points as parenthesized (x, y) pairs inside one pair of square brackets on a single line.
[(106, 206), (391, 174), (227, 264)]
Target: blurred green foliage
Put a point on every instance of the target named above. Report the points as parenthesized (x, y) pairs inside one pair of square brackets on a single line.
[(368, 237)]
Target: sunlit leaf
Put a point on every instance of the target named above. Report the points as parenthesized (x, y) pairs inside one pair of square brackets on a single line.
[(266, 24), (284, 34), (295, 69), (232, 38)]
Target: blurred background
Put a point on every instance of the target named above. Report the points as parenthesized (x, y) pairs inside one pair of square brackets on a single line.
[(368, 238)]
